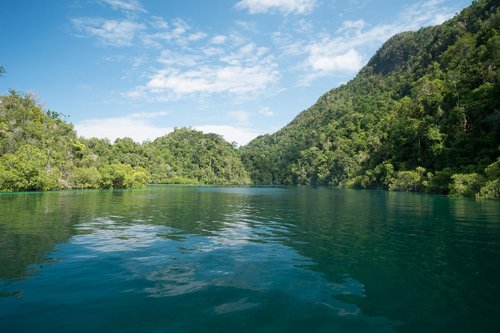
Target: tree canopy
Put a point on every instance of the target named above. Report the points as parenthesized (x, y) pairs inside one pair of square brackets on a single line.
[(422, 115), (40, 151)]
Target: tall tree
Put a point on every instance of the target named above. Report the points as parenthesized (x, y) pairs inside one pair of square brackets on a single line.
[(427, 100)]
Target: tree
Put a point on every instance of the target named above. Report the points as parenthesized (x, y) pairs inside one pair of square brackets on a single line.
[(27, 170), (426, 99)]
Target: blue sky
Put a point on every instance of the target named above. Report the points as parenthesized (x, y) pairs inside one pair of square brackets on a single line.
[(140, 68)]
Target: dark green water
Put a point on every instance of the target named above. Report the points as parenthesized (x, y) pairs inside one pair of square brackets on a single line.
[(215, 259)]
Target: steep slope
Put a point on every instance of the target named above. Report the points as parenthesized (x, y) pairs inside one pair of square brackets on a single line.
[(424, 108)]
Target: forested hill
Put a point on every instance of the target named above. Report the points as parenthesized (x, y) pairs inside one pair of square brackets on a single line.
[(423, 115), (40, 151)]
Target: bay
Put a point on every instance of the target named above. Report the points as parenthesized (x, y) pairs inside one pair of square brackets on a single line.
[(248, 259)]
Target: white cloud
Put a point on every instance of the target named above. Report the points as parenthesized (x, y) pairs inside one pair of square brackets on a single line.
[(154, 32), (212, 79), (137, 126), (247, 26), (177, 31), (330, 56), (248, 53), (158, 22), (240, 135), (212, 51), (304, 26), (196, 36), (430, 12), (348, 50), (110, 32), (149, 115), (282, 6), (287, 44), (241, 117), (350, 24), (325, 57), (266, 112), (421, 14), (358, 4), (180, 27), (140, 128), (219, 39), (125, 5), (246, 70), (171, 58)]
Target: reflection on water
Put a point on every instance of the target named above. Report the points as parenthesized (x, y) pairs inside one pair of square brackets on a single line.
[(182, 259)]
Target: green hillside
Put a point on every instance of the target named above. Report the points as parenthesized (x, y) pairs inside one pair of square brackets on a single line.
[(40, 151), (422, 115)]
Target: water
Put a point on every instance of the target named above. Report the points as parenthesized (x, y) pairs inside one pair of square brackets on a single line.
[(268, 259)]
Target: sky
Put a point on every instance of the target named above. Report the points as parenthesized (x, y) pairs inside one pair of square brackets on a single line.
[(238, 68)]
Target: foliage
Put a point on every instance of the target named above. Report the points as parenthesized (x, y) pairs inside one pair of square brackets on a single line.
[(27, 170), (181, 180), (39, 151), (85, 178), (193, 157), (426, 99), (440, 181), (466, 184), (408, 180), (423, 115), (491, 189), (116, 176)]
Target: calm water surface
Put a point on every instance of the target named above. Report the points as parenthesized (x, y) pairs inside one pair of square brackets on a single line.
[(269, 259)]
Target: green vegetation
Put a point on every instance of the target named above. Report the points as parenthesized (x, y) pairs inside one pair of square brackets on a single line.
[(423, 115), (39, 151), (194, 157)]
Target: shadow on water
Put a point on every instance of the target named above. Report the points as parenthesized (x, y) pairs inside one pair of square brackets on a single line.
[(176, 258), (430, 261)]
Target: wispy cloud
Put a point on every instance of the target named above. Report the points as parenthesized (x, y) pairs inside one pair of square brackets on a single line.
[(131, 6), (238, 134), (277, 6), (429, 12), (179, 61), (109, 32), (325, 56), (138, 126), (174, 83), (266, 112), (348, 49), (218, 39), (148, 115), (240, 117), (176, 31), (247, 70)]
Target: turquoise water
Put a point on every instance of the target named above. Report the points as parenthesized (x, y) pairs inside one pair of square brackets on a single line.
[(262, 259)]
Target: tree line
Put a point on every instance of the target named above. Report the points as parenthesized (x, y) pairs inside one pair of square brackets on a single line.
[(422, 115), (40, 151)]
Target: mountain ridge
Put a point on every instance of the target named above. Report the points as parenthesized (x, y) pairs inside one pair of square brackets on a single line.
[(423, 109)]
